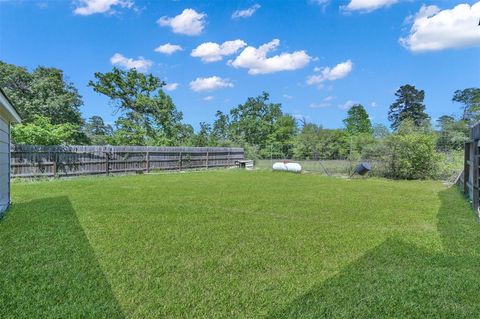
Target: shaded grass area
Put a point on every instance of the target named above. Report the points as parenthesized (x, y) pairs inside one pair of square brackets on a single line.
[(238, 244), (47, 266)]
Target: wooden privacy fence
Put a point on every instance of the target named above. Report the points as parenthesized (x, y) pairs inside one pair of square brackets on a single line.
[(30, 161), (469, 180)]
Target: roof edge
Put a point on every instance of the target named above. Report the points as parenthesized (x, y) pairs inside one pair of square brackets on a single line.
[(10, 107)]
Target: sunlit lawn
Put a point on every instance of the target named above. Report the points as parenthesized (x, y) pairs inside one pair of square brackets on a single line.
[(238, 244)]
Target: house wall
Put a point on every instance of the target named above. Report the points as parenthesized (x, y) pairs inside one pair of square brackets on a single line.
[(4, 163)]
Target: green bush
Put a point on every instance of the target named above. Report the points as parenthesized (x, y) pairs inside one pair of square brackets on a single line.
[(412, 156), (451, 165), (42, 132)]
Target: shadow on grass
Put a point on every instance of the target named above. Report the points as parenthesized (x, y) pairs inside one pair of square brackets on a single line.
[(47, 266), (400, 280)]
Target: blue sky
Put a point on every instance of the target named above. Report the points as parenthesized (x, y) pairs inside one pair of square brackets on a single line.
[(318, 57)]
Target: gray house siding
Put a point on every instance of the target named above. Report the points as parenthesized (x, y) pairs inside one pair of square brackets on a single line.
[(4, 164), (8, 115)]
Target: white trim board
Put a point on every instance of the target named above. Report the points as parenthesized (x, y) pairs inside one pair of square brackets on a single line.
[(11, 114)]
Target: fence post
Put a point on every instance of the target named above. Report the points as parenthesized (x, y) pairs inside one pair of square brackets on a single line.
[(228, 158), (180, 164), (148, 161), (55, 165), (475, 186), (107, 163), (206, 164), (466, 167)]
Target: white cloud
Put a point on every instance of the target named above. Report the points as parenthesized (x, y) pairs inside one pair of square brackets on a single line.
[(325, 102), (141, 64), (168, 48), (171, 86), (373, 104), (434, 29), (257, 62), (319, 105), (339, 71), (88, 7), (189, 22), (246, 13), (322, 3), (425, 11), (367, 5), (209, 84), (211, 52), (208, 98), (288, 97), (347, 105)]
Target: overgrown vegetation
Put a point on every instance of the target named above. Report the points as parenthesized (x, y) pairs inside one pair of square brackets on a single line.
[(50, 107), (41, 131), (412, 156), (238, 244)]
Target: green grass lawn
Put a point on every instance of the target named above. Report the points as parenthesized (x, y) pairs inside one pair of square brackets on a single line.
[(227, 244)]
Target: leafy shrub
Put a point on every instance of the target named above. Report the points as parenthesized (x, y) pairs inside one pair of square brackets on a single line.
[(451, 165), (42, 132), (314, 142), (412, 156)]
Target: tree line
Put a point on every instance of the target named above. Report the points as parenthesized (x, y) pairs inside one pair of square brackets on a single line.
[(51, 110)]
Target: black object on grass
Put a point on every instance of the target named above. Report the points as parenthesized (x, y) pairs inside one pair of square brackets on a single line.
[(362, 169)]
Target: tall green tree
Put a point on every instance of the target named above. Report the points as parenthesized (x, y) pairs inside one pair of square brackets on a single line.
[(314, 142), (408, 105), (357, 121), (220, 134), (147, 113), (452, 133), (203, 136), (185, 135), (255, 120), (130, 131), (470, 98), (280, 141), (380, 131), (445, 121), (97, 131), (43, 92), (306, 144)]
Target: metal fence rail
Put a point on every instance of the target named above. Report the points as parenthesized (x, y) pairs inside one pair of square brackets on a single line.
[(31, 161)]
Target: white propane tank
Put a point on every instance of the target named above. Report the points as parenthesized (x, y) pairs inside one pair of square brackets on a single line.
[(288, 167)]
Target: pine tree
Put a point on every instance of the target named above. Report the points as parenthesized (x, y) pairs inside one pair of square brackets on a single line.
[(409, 105), (357, 121)]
